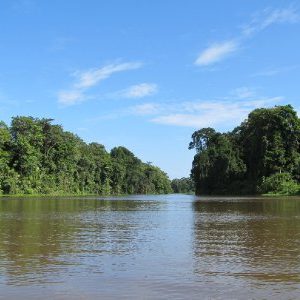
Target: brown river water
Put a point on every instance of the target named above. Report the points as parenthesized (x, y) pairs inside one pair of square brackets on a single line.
[(150, 247)]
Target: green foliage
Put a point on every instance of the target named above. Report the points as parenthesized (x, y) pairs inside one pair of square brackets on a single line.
[(279, 183), (154, 181), (266, 143), (183, 185), (269, 141), (37, 157), (217, 163), (131, 176)]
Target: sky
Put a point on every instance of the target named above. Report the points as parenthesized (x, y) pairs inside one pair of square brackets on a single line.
[(147, 74)]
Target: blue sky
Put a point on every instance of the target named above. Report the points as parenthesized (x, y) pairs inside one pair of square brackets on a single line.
[(146, 74)]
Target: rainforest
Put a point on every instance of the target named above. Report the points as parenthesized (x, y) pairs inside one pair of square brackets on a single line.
[(260, 156), (38, 157)]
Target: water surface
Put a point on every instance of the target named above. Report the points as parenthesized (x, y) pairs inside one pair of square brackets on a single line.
[(173, 246)]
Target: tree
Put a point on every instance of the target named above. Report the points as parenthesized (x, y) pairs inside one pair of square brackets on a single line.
[(216, 163), (266, 143), (270, 142), (183, 185), (39, 157)]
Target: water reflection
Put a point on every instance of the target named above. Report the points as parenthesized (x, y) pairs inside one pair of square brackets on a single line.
[(248, 239), (42, 238), (157, 247)]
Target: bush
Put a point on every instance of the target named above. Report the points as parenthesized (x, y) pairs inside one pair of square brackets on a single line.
[(279, 183)]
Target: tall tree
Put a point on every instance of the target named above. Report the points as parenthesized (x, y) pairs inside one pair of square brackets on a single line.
[(270, 141), (266, 143), (39, 157)]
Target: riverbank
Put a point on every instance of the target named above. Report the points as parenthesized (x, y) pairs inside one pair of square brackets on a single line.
[(62, 195)]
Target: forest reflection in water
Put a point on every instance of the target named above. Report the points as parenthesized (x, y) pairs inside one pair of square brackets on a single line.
[(43, 237), (152, 246), (246, 238)]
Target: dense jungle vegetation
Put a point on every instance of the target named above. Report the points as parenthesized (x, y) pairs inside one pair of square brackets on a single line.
[(184, 185), (262, 155), (37, 157)]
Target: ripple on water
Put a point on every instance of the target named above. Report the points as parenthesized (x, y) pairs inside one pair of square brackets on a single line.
[(173, 246)]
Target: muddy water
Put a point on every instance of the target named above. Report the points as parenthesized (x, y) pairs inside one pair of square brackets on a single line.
[(150, 247)]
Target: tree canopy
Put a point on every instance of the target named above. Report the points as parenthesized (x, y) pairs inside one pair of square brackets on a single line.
[(184, 185), (239, 162), (38, 157)]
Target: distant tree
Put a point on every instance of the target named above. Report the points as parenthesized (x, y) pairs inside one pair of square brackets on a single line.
[(183, 185)]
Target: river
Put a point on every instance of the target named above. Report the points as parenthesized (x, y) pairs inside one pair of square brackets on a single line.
[(150, 247)]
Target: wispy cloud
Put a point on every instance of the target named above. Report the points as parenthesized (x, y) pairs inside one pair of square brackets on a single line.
[(267, 73), (138, 91), (212, 113), (224, 112), (218, 51), (70, 97), (146, 109), (187, 120), (243, 92), (268, 17), (90, 78)]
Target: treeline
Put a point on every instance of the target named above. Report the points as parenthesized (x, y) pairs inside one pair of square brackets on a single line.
[(37, 157), (184, 185), (262, 155)]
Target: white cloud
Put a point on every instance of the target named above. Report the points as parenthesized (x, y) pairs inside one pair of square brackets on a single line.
[(224, 113), (139, 90), (262, 20), (216, 113), (188, 120), (269, 17), (90, 78), (211, 113), (216, 52)]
